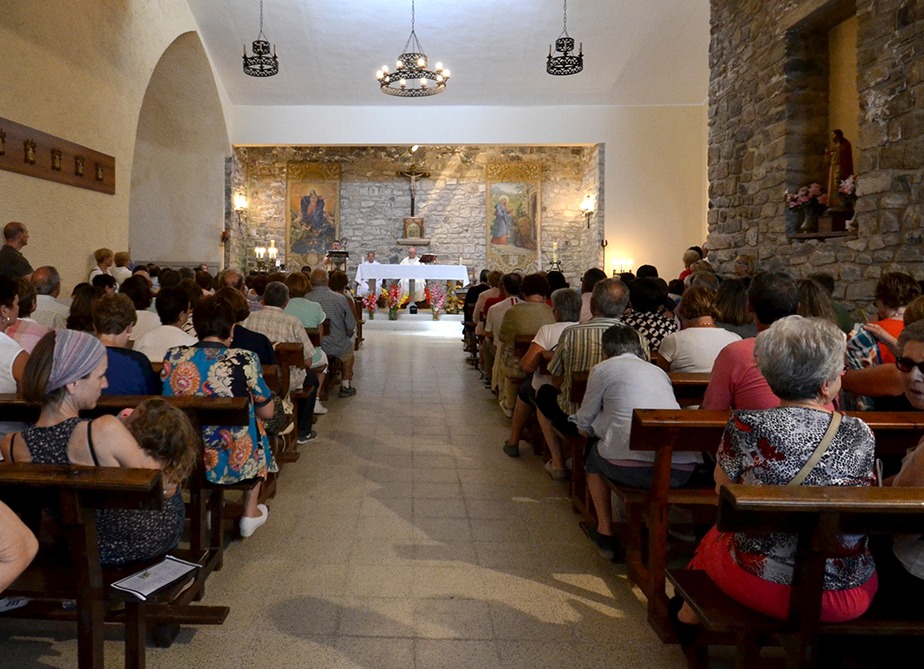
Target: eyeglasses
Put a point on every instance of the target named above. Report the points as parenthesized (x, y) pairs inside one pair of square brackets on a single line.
[(907, 364)]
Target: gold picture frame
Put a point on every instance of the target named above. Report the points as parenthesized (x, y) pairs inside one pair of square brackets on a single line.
[(313, 211), (512, 216)]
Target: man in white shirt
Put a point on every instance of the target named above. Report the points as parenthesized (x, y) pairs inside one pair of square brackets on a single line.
[(365, 287), (173, 309), (418, 293), (49, 311)]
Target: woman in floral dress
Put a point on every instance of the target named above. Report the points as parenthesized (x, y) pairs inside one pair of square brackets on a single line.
[(211, 368)]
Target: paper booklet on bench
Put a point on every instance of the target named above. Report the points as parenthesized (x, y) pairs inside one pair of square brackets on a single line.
[(150, 580)]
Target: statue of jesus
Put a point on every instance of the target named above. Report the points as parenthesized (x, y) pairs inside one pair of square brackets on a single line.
[(413, 174)]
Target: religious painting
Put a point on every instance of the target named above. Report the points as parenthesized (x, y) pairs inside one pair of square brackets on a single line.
[(512, 216), (313, 211)]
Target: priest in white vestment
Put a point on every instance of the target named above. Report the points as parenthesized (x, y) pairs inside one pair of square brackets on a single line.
[(363, 288), (419, 284)]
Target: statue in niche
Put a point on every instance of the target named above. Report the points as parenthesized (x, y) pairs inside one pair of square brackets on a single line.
[(839, 160)]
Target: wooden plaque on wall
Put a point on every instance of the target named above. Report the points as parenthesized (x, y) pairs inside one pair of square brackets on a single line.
[(25, 150)]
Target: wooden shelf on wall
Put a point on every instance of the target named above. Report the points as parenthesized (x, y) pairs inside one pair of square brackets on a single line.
[(822, 235)]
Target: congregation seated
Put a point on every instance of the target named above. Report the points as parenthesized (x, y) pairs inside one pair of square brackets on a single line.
[(212, 368), (105, 284), (173, 309), (800, 442), (494, 310), (121, 270), (591, 278), (472, 295), (579, 349), (339, 343), (894, 292), (80, 316), (731, 303), (736, 382), (66, 374), (566, 308), (130, 372), (104, 259), (520, 320), (13, 356), (815, 302), (493, 290), (309, 313), (243, 337), (280, 327), (646, 299), (901, 569), (139, 292), (623, 381), (24, 330), (193, 294), (48, 310), (695, 347)]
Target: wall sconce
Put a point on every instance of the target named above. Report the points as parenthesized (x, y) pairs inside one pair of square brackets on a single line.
[(588, 207), (622, 265), (240, 207)]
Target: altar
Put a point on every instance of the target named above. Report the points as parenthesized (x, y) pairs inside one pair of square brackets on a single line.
[(366, 271)]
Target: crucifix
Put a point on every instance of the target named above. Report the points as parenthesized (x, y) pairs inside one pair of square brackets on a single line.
[(413, 174)]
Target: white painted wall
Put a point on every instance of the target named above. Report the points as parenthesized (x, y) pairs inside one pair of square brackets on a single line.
[(85, 68), (655, 156)]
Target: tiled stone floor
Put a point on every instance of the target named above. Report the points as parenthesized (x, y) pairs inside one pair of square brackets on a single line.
[(404, 537)]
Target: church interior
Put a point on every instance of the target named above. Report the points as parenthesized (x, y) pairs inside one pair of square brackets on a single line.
[(404, 537)]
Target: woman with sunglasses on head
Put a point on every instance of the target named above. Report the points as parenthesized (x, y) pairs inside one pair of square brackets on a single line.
[(901, 565)]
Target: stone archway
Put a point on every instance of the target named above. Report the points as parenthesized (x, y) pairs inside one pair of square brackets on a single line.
[(176, 208)]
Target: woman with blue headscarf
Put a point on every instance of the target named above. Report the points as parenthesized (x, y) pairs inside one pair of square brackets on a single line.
[(66, 374)]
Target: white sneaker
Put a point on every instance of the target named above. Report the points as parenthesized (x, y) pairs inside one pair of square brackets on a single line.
[(10, 603), (249, 525), (319, 408)]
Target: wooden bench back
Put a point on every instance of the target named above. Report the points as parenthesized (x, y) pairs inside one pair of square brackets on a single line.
[(689, 387), (315, 335), (579, 386)]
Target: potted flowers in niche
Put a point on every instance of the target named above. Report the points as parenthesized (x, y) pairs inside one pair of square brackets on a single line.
[(804, 207)]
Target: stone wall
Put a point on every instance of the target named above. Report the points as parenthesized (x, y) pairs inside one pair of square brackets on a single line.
[(374, 200), (768, 131)]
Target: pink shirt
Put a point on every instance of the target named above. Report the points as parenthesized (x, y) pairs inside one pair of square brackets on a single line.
[(736, 382)]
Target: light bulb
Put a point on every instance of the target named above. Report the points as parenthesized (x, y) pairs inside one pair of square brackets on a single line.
[(439, 66), (380, 75), (446, 74), (402, 83), (385, 69), (421, 62), (439, 78), (399, 64)]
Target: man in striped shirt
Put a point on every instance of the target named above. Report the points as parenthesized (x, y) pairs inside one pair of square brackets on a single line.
[(579, 349)]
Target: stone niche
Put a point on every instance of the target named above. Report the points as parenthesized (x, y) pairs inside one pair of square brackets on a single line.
[(374, 200), (768, 117)]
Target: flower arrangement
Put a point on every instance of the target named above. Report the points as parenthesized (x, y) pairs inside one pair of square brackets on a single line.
[(453, 301), (371, 303), (807, 197), (393, 296), (437, 299), (848, 186)]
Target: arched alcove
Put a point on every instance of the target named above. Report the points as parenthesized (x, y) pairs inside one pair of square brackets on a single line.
[(176, 212)]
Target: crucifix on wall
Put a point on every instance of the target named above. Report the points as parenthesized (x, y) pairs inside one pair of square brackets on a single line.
[(413, 224)]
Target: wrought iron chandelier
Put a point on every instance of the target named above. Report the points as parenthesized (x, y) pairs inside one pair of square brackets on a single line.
[(261, 64), (411, 78), (566, 63)]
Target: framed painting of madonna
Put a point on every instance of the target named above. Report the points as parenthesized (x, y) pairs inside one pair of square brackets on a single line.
[(512, 216), (313, 211)]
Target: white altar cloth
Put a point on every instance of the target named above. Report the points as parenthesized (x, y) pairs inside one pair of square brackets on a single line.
[(438, 272)]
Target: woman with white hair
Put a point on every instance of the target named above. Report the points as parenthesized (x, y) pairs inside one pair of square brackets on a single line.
[(801, 442)]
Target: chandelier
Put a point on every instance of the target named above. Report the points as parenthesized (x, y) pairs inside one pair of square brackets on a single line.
[(412, 79), (261, 64), (566, 63)]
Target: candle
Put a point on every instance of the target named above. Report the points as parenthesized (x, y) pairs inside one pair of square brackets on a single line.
[(460, 260)]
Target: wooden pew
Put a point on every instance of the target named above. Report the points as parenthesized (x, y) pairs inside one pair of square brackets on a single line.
[(664, 431), (315, 335), (76, 492), (205, 500), (689, 387), (817, 515)]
